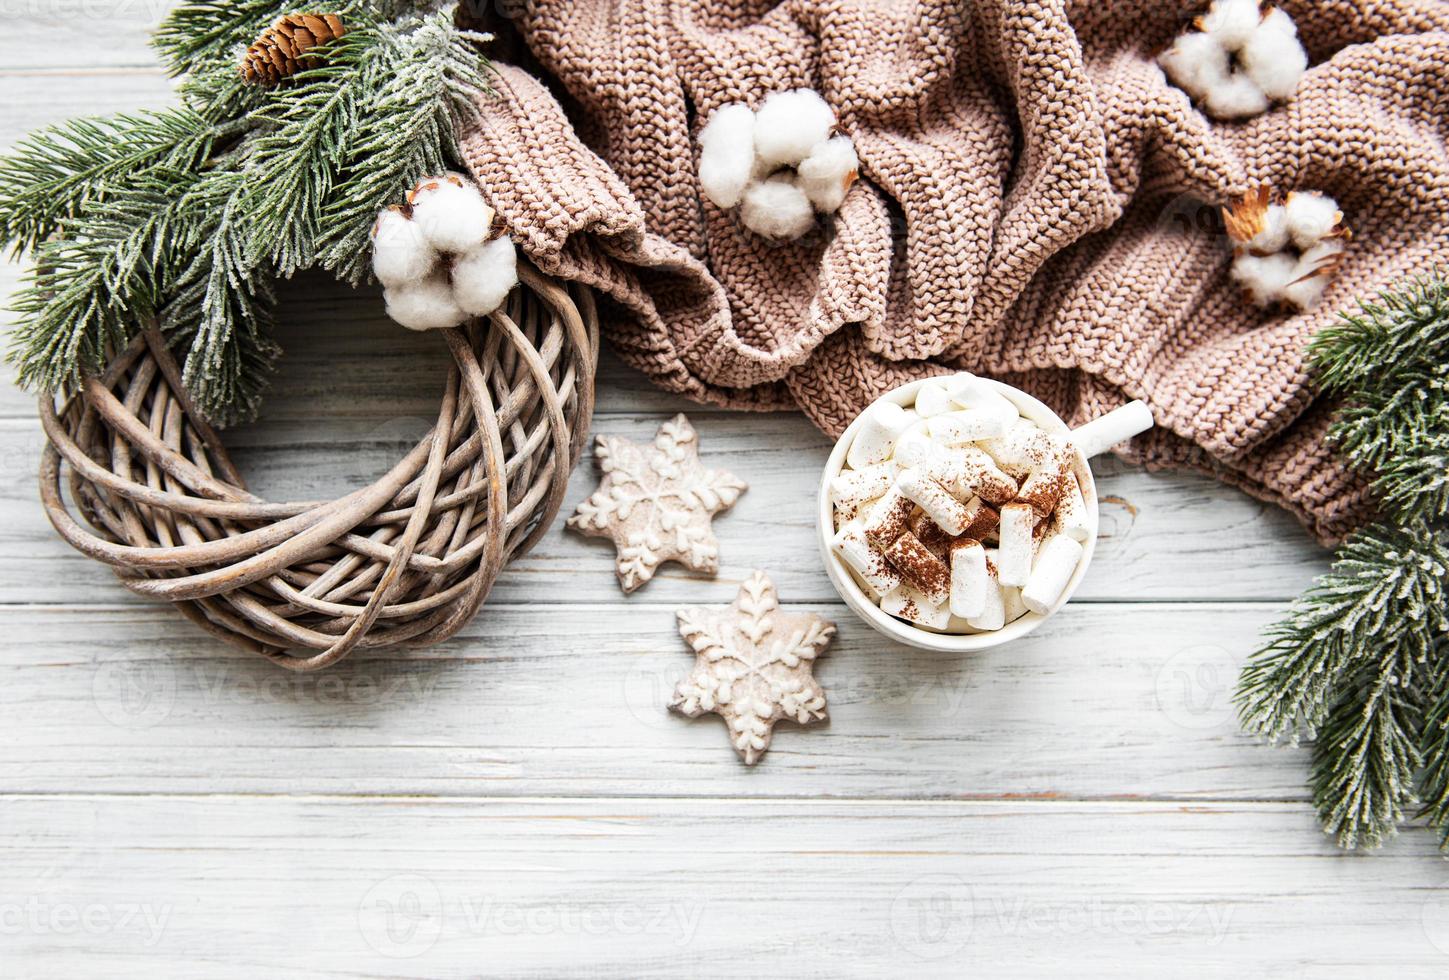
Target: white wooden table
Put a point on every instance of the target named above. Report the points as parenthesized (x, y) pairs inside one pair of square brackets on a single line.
[(518, 802)]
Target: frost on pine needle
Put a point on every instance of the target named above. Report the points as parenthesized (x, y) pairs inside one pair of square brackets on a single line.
[(437, 256), (1360, 665), (1239, 58), (1285, 253), (781, 164)]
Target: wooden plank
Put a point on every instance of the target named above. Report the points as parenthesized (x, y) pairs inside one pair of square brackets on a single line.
[(1123, 700), (293, 887), (1165, 536), (75, 35)]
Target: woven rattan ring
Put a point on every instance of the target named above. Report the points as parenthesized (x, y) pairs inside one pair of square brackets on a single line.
[(407, 560)]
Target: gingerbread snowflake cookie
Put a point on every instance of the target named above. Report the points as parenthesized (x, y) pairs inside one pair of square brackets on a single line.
[(656, 503), (753, 665)]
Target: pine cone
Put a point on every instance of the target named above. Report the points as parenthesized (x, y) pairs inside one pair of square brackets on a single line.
[(278, 52)]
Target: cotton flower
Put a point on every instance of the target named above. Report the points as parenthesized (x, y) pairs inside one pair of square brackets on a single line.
[(451, 213), (789, 125), (400, 251), (1273, 56), (1238, 60), (727, 154), (777, 208), (1285, 253), (780, 164), (430, 282), (483, 278), (1310, 217), (427, 304), (827, 173)]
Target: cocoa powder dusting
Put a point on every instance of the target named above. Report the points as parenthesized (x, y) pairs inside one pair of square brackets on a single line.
[(919, 566)]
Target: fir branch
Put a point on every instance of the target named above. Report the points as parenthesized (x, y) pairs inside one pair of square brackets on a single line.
[(1390, 362), (1361, 662), (189, 215), (55, 172), (422, 95)]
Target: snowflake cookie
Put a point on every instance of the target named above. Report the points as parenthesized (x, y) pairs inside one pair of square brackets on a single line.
[(753, 665), (656, 503)]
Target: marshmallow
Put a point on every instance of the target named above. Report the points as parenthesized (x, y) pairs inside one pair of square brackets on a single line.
[(1070, 517), (970, 470), (1049, 577), (915, 447), (919, 567), (932, 399), (979, 395), (993, 610), (984, 520), (910, 604), (883, 424), (1011, 602), (1017, 523), (852, 489), (931, 535), (1043, 488), (887, 519), (967, 425), (1019, 450), (948, 512), (851, 544), (1116, 426), (969, 580)]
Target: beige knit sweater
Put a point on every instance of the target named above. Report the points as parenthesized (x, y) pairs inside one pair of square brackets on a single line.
[(1036, 205)]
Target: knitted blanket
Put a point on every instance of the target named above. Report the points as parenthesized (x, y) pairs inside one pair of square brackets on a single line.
[(1037, 204)]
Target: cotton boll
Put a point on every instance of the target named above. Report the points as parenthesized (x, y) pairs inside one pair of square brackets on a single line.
[(1237, 98), (1264, 276), (483, 278), (727, 154), (1311, 274), (1274, 234), (451, 213), (777, 208), (789, 124), (424, 305), (1232, 22), (827, 173), (1311, 217), (1308, 292), (1273, 56), (400, 251), (1196, 63)]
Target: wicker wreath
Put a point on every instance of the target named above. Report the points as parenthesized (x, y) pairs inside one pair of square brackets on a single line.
[(407, 560)]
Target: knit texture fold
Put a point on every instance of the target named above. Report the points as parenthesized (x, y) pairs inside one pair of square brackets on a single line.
[(1037, 204)]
